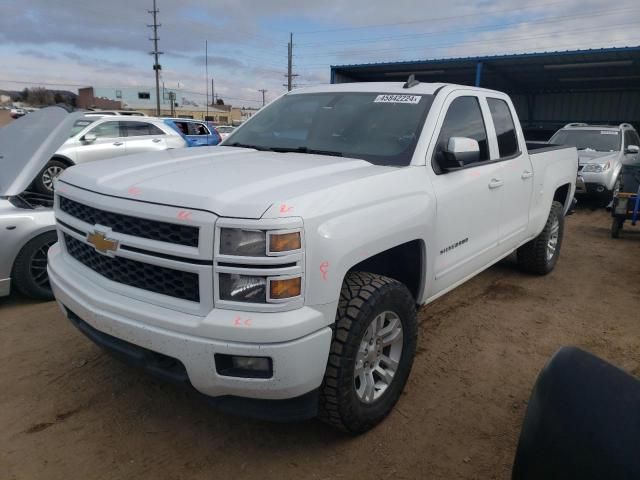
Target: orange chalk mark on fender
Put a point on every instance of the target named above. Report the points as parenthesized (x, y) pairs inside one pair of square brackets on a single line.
[(239, 322), (324, 269), (284, 208), (134, 191), (184, 215)]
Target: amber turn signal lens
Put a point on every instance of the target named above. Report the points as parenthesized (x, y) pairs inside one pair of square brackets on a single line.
[(288, 288), (285, 242)]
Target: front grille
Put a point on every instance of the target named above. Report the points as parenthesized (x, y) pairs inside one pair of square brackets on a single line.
[(166, 281), (136, 226)]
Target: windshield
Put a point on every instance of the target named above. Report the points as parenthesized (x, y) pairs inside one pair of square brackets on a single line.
[(597, 140), (78, 126), (380, 128)]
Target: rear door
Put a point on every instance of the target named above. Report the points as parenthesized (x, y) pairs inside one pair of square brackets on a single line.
[(468, 199), (143, 136), (109, 142), (516, 171)]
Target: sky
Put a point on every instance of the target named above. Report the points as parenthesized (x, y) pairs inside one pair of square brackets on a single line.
[(68, 44)]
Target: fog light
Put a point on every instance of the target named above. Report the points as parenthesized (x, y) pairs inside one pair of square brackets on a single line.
[(245, 367), (281, 289)]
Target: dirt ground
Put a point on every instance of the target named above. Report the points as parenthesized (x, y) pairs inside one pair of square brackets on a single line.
[(5, 118), (69, 411)]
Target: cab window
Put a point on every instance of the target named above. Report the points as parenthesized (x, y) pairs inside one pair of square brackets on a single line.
[(463, 119), (505, 128)]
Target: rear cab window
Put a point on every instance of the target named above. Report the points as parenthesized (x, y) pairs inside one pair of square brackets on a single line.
[(505, 128), (140, 129)]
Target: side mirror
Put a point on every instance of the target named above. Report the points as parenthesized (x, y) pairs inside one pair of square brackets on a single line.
[(89, 138), (632, 149), (460, 152)]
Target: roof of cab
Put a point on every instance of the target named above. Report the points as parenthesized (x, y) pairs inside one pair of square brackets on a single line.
[(421, 88)]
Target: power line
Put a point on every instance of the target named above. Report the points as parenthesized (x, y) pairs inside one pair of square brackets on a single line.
[(472, 29), (156, 53), (500, 39), (429, 19)]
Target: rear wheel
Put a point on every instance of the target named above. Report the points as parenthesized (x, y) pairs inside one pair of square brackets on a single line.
[(616, 226), (371, 354), (540, 255), (30, 275)]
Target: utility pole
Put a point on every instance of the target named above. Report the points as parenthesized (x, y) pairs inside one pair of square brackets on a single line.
[(206, 74), (290, 73), (263, 92), (213, 93), (156, 53)]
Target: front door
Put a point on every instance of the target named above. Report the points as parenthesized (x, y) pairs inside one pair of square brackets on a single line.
[(468, 200), (109, 143)]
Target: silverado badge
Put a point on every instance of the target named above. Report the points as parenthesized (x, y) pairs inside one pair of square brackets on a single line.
[(101, 243)]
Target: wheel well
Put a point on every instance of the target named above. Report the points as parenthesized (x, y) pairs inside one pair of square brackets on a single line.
[(403, 263), (562, 194), (64, 160)]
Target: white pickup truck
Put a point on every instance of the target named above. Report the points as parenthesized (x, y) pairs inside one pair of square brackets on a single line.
[(279, 274)]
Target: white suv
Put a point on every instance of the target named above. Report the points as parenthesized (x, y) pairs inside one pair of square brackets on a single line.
[(107, 137), (601, 150)]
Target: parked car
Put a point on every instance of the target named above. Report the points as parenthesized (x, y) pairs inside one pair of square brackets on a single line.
[(27, 223), (196, 133), (601, 149), (225, 130), (280, 275), (17, 112), (107, 137), (126, 113)]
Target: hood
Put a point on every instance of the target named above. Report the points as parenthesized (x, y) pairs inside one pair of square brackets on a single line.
[(228, 181), (588, 156), (28, 143)]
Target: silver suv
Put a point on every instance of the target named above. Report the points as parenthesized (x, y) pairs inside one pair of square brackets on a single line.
[(602, 149), (106, 137)]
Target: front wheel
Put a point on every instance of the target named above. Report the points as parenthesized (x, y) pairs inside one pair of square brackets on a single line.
[(372, 351), (30, 268), (540, 255)]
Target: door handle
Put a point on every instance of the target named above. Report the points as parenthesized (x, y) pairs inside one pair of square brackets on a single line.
[(117, 144), (495, 183), (526, 174), (156, 140)]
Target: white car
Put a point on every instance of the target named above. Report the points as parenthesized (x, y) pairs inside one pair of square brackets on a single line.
[(101, 137), (280, 274), (225, 130)]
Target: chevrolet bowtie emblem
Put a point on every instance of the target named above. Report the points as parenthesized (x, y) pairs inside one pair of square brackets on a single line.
[(101, 243)]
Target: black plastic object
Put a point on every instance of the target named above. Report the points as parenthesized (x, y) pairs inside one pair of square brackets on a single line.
[(630, 177), (582, 422), (411, 82)]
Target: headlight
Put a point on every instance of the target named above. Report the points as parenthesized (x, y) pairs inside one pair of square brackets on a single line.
[(243, 288), (247, 243), (253, 243), (596, 167)]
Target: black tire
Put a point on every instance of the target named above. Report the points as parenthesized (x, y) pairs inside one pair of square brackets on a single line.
[(616, 226), (533, 256), (30, 268), (364, 296), (44, 181)]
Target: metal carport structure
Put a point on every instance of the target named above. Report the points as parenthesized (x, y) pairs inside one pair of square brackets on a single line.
[(549, 89)]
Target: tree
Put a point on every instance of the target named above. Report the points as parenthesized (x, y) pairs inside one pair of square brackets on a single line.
[(219, 101), (39, 96)]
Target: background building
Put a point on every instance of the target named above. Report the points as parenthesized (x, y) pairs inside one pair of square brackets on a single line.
[(548, 89)]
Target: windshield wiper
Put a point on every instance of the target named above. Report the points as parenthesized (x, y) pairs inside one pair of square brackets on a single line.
[(306, 150), (244, 145)]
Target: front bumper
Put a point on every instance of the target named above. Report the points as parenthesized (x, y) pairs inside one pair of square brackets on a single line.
[(594, 183), (298, 364)]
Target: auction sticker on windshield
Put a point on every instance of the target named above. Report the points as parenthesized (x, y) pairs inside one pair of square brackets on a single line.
[(398, 99)]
